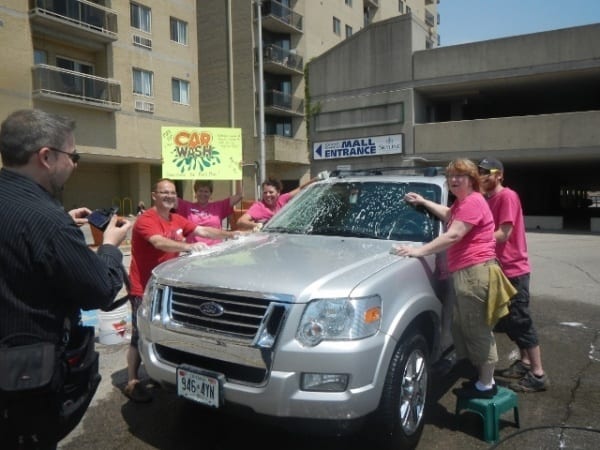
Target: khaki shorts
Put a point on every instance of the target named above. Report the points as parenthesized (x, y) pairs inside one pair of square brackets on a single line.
[(473, 338)]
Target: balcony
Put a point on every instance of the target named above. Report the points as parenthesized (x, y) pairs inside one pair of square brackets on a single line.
[(66, 86), (78, 21), (281, 61), (429, 19), (280, 19), (281, 104)]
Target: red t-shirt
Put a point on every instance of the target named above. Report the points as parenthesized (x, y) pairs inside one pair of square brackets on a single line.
[(144, 256), (478, 245)]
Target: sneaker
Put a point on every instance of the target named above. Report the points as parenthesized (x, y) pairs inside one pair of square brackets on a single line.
[(473, 392), (515, 370), (136, 392), (530, 383)]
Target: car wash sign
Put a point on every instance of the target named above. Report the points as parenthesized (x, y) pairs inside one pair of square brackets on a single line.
[(352, 148)]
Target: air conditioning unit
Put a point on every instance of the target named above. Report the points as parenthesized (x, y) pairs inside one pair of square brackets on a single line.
[(141, 41), (141, 105)]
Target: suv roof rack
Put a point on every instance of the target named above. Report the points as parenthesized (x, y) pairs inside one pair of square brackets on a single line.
[(409, 170)]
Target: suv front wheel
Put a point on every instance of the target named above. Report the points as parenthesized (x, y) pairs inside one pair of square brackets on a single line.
[(401, 414)]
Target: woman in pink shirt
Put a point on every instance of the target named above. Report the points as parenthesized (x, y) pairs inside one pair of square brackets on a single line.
[(272, 201), (205, 213), (470, 244)]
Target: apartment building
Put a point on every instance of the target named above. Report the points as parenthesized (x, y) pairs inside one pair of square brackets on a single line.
[(532, 101), (122, 69), (246, 45)]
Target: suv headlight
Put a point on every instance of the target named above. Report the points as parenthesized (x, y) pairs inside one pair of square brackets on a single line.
[(339, 319)]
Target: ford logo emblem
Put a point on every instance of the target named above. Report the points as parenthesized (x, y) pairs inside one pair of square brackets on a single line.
[(211, 309)]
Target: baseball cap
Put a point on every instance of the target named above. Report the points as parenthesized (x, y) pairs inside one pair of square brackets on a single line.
[(490, 164)]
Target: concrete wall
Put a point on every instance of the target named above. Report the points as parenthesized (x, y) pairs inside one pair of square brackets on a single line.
[(543, 136), (524, 54)]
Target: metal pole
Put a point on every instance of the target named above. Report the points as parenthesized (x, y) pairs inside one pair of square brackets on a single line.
[(261, 94), (231, 83)]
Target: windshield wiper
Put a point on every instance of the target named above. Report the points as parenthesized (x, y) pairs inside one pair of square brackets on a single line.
[(344, 232)]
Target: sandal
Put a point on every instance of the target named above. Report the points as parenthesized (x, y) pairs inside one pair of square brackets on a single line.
[(136, 392)]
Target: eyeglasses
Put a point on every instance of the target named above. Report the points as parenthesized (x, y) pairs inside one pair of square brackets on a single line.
[(74, 156), (166, 192), (483, 171)]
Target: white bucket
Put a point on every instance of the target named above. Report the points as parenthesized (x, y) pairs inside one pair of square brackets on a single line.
[(115, 326)]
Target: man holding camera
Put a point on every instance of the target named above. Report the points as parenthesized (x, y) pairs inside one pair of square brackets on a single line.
[(47, 274)]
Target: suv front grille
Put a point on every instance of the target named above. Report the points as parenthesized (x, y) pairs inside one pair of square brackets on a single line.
[(223, 313)]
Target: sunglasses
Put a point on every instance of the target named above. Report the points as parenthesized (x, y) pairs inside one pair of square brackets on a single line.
[(483, 171), (75, 157)]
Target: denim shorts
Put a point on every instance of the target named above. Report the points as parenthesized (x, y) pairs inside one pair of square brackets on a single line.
[(473, 337), (518, 324)]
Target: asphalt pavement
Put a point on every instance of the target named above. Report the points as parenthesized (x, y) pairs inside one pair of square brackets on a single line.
[(566, 309)]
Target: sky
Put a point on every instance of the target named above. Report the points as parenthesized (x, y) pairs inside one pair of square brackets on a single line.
[(463, 21)]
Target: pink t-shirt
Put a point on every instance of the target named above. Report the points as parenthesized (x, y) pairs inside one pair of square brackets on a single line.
[(261, 213), (512, 254), (144, 256), (478, 245), (209, 215)]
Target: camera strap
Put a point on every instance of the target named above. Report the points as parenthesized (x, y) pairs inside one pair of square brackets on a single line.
[(117, 303)]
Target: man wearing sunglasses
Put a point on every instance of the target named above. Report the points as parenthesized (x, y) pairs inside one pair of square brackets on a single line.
[(511, 251), (47, 271)]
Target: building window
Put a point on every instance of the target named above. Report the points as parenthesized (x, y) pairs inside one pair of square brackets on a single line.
[(348, 31), (143, 82), (348, 3), (337, 26), (400, 6), (180, 91), (179, 31), (140, 17), (408, 9), (278, 126)]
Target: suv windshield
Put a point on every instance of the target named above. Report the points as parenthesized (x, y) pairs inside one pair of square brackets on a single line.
[(368, 209)]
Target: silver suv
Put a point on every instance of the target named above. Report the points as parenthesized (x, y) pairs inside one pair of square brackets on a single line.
[(311, 318)]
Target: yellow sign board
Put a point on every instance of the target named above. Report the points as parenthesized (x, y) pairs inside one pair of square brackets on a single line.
[(201, 153)]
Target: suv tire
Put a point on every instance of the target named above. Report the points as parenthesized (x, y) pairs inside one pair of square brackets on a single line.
[(401, 414)]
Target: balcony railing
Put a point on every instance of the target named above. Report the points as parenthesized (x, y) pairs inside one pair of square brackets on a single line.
[(429, 18), (62, 85), (280, 60), (280, 103), (280, 18), (89, 20)]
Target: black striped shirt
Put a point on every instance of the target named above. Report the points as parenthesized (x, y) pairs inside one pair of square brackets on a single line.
[(47, 271)]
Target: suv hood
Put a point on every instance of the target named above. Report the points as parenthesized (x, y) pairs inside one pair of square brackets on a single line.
[(288, 264)]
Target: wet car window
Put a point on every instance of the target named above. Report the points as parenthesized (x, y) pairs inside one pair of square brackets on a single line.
[(374, 210)]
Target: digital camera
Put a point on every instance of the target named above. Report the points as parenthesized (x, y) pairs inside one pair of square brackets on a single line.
[(99, 218)]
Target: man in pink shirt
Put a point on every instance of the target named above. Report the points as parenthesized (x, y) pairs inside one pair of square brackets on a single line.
[(511, 250)]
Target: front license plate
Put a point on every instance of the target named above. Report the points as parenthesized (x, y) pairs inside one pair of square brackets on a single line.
[(200, 386)]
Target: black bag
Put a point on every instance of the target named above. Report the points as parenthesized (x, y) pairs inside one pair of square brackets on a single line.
[(30, 368), (46, 388)]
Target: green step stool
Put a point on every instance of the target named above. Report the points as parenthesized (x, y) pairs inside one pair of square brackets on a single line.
[(490, 409)]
